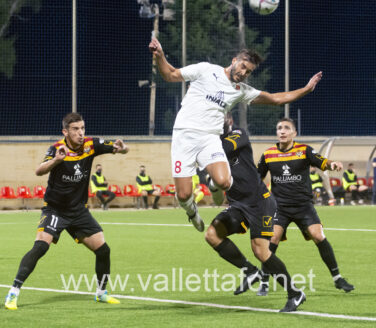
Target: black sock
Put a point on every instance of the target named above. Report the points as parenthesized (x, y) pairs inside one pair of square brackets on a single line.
[(265, 273), (276, 267), (354, 194), (156, 200), (145, 198), (228, 251), (327, 255), (29, 262), (102, 265)]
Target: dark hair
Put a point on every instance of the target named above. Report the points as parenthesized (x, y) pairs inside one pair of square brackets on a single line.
[(250, 55), (98, 165), (351, 164), (286, 119), (71, 118)]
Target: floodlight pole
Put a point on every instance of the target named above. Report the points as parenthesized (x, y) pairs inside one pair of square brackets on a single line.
[(153, 85), (74, 56), (184, 44), (287, 54)]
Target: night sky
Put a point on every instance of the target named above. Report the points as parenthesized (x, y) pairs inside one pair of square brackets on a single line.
[(337, 37)]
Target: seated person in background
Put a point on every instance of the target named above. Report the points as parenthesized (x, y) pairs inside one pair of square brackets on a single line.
[(197, 192), (374, 185), (350, 183), (145, 188), (99, 187), (317, 186)]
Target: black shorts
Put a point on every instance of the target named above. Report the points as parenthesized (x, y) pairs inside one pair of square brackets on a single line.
[(259, 219), (303, 216), (80, 226)]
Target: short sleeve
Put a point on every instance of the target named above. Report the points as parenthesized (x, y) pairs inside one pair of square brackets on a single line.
[(50, 154), (193, 72), (315, 158), (249, 94), (102, 146), (262, 167)]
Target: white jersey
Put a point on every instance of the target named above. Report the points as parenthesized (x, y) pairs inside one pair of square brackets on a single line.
[(210, 95)]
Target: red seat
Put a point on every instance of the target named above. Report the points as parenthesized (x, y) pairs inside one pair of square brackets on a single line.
[(204, 189), (131, 191), (24, 192), (159, 189), (170, 190), (91, 194), (8, 192), (39, 192), (335, 182), (362, 181), (370, 182), (116, 190)]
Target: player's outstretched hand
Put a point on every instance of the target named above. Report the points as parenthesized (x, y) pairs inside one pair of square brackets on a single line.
[(61, 153), (336, 166), (120, 147), (311, 85), (155, 47)]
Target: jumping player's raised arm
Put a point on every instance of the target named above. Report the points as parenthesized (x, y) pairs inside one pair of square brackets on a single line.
[(168, 72), (281, 98)]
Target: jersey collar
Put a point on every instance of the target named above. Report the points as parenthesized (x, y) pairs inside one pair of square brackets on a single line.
[(287, 150)]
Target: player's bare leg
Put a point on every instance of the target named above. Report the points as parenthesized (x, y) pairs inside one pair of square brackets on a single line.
[(98, 245), (27, 265), (221, 179), (184, 195), (327, 255)]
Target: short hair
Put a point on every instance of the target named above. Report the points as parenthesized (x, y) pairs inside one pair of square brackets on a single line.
[(71, 118), (142, 166), (98, 165), (287, 119), (250, 55), (351, 164)]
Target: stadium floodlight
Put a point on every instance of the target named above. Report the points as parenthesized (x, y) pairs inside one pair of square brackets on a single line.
[(146, 9), (168, 12), (142, 83)]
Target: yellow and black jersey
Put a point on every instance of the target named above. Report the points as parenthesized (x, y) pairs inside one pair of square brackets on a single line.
[(248, 188), (289, 170), (68, 182)]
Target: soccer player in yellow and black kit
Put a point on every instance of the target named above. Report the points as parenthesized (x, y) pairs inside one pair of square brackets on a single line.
[(69, 162), (253, 207), (288, 163)]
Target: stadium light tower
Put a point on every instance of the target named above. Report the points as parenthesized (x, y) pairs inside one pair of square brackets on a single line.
[(287, 54)]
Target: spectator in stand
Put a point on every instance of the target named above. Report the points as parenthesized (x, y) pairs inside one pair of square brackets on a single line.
[(350, 183), (145, 188), (99, 187)]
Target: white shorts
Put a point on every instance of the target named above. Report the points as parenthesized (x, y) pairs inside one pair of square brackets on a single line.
[(194, 146)]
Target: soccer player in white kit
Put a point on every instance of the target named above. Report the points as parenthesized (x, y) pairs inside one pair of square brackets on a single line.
[(213, 91)]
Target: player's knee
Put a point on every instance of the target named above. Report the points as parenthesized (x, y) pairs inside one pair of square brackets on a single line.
[(103, 251), (183, 195), (223, 182), (261, 253), (212, 237), (40, 248)]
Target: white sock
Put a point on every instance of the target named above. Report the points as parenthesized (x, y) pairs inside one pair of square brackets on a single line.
[(335, 278), (189, 205), (14, 290), (100, 292)]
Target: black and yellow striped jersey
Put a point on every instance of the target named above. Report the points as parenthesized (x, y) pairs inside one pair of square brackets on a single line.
[(289, 171), (68, 182), (247, 188)]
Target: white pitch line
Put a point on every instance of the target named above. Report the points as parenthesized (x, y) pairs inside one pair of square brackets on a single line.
[(190, 225), (213, 305)]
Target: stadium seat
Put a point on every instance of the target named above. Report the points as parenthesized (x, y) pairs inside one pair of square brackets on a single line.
[(132, 191), (204, 189), (39, 192), (362, 181), (170, 190), (116, 190), (370, 182), (24, 192), (8, 193), (91, 194), (159, 188), (335, 182)]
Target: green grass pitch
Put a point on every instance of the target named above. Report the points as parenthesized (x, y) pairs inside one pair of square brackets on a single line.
[(149, 246)]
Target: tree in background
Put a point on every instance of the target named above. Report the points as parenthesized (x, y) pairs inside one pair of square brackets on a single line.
[(215, 33), (9, 9)]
